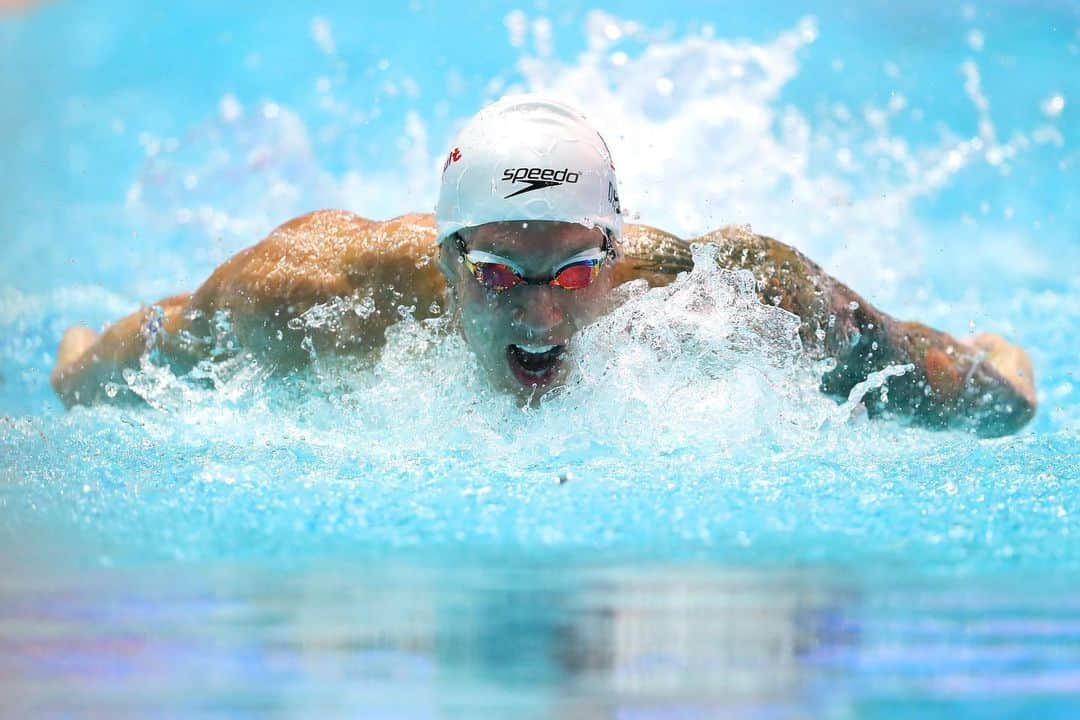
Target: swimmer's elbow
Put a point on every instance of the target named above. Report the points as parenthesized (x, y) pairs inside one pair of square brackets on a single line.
[(1003, 383), (69, 390), (92, 385), (65, 375), (1007, 417)]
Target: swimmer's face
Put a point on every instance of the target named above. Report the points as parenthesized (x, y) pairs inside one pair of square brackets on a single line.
[(520, 334)]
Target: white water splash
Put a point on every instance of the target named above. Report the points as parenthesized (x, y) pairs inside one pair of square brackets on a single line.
[(701, 139), (699, 357), (697, 127), (876, 380)]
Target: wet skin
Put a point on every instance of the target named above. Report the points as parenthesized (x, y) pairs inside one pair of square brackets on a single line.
[(984, 385), (501, 326)]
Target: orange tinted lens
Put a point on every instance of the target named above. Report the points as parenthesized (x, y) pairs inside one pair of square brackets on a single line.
[(496, 277), (576, 276)]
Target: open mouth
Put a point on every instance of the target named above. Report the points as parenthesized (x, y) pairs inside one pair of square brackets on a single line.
[(534, 365)]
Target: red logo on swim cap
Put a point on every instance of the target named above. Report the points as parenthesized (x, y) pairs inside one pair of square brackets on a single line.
[(454, 156)]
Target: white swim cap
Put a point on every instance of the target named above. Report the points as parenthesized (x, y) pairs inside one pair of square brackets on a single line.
[(528, 157)]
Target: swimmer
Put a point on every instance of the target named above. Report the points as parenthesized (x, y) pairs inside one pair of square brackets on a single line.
[(525, 248)]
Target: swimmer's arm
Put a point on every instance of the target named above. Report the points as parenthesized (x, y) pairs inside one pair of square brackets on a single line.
[(255, 299), (87, 362), (986, 385)]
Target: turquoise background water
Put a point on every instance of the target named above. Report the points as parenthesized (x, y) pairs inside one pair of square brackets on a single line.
[(391, 540)]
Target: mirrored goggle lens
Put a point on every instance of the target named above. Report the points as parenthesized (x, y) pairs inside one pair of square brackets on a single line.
[(496, 277), (577, 276)]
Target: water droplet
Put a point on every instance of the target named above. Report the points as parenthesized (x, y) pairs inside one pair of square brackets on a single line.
[(976, 40), (1053, 105)]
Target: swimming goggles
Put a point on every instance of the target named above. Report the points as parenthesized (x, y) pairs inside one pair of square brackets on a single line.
[(498, 274)]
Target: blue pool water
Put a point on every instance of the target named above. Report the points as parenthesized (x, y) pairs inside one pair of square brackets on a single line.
[(690, 529)]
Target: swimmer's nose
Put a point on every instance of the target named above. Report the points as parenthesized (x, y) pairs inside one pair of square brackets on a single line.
[(538, 312)]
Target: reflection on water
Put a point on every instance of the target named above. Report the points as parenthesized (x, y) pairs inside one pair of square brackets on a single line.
[(404, 639), (415, 640)]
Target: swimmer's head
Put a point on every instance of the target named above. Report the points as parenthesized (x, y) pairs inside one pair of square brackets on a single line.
[(527, 157), (522, 290), (528, 221)]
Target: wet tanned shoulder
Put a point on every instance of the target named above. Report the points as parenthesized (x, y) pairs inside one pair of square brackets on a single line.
[(785, 277), (324, 257), (788, 279), (651, 254)]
